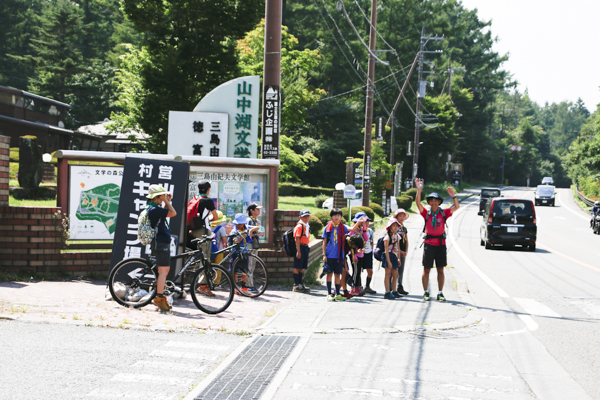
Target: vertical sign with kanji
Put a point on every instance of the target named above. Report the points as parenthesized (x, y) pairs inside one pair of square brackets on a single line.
[(198, 134), (271, 114), (138, 175)]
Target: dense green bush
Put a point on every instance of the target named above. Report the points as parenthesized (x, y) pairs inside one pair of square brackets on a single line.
[(589, 187), (355, 210), (285, 189), (315, 225), (411, 193), (377, 209), (320, 199), (404, 202), (325, 218), (294, 189)]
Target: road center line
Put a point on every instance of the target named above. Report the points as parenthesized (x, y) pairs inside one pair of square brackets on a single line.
[(563, 255)]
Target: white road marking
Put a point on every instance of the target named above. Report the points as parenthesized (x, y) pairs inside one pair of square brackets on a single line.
[(192, 345), (588, 307), (573, 211), (511, 332), (181, 354), (139, 378), (534, 307), (551, 250), (560, 218), (168, 366), (118, 394)]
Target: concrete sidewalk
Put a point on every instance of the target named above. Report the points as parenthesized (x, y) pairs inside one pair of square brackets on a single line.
[(277, 310)]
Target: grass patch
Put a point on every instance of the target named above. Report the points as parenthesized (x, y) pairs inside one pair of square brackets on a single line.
[(311, 276), (31, 203), (298, 203), (579, 202)]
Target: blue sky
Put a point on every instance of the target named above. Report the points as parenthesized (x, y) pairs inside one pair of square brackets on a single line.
[(552, 46)]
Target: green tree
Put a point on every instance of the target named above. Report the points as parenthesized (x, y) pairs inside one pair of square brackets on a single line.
[(292, 162)]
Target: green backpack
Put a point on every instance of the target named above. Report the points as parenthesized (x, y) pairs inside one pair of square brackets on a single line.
[(146, 233)]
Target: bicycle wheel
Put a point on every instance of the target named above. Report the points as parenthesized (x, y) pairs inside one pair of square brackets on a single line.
[(132, 282), (212, 289), (250, 275)]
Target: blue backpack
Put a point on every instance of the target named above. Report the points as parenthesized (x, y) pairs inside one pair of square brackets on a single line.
[(379, 250)]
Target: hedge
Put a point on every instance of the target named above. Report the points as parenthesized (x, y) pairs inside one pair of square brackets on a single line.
[(315, 225), (320, 199), (377, 209), (294, 189), (324, 217), (355, 210), (411, 193), (404, 202)]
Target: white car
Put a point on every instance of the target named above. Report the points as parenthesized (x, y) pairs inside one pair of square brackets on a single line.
[(355, 202)]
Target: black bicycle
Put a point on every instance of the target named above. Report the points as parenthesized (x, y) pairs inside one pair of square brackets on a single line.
[(132, 282), (249, 271)]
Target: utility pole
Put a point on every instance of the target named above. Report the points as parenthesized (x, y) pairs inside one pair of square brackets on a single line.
[(420, 95), (366, 185)]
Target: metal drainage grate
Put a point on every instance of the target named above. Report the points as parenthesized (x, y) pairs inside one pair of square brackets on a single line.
[(252, 370)]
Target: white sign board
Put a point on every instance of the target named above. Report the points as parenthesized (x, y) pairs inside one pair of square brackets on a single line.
[(198, 134), (93, 201), (239, 98), (349, 192)]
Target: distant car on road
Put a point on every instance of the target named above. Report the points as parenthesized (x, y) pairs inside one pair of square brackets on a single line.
[(547, 180), (508, 222), (544, 195), (484, 195)]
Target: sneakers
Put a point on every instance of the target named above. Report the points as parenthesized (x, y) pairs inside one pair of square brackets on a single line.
[(347, 295), (162, 303), (204, 289), (340, 297), (368, 290), (297, 288), (389, 296), (426, 296), (401, 290), (441, 297), (357, 292), (396, 294), (330, 297), (304, 288)]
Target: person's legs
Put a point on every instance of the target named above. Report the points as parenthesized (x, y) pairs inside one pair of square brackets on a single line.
[(162, 279), (425, 278), (440, 278), (401, 263), (251, 265), (394, 278), (386, 278), (329, 276)]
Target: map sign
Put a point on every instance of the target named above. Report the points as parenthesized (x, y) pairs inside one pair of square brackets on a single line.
[(93, 201)]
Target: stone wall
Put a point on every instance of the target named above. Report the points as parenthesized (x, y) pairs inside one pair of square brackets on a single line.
[(4, 168)]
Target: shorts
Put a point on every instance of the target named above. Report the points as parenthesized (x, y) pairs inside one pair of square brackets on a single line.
[(433, 253), (162, 252), (366, 262), (393, 260), (302, 263), (336, 264)]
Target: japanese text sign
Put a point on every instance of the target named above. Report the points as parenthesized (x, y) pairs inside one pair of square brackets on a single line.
[(198, 133), (271, 122)]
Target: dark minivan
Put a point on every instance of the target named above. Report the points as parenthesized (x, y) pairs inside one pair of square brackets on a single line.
[(485, 194), (509, 222)]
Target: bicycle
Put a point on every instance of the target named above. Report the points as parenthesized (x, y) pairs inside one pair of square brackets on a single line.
[(132, 282), (248, 283)]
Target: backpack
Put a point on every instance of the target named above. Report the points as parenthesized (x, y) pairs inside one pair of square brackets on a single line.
[(192, 211), (146, 233), (289, 242), (214, 245), (379, 249)]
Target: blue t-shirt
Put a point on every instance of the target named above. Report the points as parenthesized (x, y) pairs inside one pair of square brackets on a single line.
[(158, 215), (334, 241)]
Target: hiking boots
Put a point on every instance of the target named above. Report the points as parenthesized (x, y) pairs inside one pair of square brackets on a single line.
[(162, 303), (401, 290), (368, 290)]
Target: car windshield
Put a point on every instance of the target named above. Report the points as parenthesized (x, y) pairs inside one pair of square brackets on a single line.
[(506, 209), (545, 191), (490, 192)]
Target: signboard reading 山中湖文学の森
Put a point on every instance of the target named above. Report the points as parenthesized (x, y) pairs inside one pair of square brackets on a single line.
[(138, 175)]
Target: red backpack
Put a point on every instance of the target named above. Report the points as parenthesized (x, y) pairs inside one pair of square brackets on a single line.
[(192, 211)]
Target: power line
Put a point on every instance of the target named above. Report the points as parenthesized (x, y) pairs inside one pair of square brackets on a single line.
[(354, 90)]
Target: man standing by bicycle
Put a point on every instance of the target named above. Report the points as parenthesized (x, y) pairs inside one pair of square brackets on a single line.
[(161, 245)]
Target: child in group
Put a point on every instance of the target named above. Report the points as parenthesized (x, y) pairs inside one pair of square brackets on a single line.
[(253, 211), (391, 242), (241, 226), (334, 252), (301, 238), (365, 257), (402, 216), (199, 217), (161, 245)]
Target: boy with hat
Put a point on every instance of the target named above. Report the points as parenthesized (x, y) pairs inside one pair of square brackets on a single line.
[(201, 213), (253, 211), (241, 226), (161, 245), (402, 216), (302, 238), (435, 238)]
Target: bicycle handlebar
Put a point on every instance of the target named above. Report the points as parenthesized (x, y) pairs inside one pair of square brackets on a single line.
[(202, 239)]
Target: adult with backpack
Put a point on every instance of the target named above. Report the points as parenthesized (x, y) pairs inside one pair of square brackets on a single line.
[(156, 216), (435, 236), (199, 209)]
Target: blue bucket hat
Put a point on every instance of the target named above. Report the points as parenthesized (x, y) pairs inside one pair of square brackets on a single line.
[(239, 219), (434, 195), (359, 216)]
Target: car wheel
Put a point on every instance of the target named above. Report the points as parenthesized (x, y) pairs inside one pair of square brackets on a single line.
[(488, 245), (532, 247), (481, 242)]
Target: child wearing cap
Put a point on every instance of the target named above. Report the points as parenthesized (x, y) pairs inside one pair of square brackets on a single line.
[(241, 227), (435, 238), (219, 237), (391, 243), (253, 211), (301, 238), (402, 216), (161, 245), (364, 259)]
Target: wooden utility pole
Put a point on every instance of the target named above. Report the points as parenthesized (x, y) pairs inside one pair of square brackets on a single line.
[(271, 107), (420, 92), (366, 185)]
